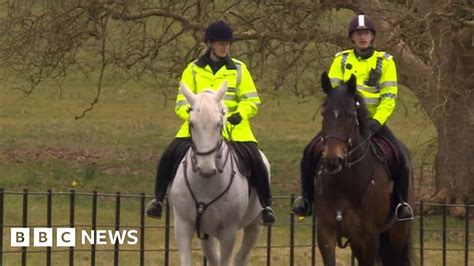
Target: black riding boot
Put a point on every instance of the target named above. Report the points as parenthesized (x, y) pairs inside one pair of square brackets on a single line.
[(308, 167), (403, 211), (261, 181), (167, 167), (401, 177)]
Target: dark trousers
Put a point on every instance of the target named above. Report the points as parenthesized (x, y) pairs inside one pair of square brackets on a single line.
[(312, 157), (259, 178), (168, 165), (400, 174), (308, 166)]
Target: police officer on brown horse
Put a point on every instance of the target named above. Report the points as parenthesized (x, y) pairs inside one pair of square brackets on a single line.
[(377, 83)]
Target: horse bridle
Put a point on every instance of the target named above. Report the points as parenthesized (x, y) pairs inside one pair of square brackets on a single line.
[(194, 149), (348, 143), (215, 148)]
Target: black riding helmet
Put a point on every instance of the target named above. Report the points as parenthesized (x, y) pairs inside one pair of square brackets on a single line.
[(361, 22), (219, 31)]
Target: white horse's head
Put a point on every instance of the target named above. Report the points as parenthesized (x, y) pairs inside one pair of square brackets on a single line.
[(207, 117)]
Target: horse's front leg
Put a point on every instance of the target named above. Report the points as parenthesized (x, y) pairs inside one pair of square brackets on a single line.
[(183, 231), (327, 242), (227, 240), (366, 251), (209, 250), (251, 233)]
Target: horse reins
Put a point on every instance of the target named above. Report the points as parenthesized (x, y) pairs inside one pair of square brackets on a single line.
[(349, 153)]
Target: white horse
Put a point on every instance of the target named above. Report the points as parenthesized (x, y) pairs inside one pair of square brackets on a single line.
[(209, 195)]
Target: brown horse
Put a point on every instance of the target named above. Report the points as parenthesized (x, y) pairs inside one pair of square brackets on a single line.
[(354, 190)]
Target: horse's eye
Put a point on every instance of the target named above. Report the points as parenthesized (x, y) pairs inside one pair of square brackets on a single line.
[(189, 109)]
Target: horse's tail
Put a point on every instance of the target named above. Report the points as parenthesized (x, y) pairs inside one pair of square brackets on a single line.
[(392, 255)]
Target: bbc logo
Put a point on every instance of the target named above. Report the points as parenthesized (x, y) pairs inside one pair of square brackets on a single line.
[(66, 237), (42, 237)]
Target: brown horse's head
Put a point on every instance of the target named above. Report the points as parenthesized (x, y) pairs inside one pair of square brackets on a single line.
[(344, 122)]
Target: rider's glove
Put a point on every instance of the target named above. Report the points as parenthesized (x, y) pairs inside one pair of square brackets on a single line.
[(374, 126), (234, 118)]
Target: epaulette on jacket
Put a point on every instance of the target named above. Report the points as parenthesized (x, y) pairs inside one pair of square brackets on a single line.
[(385, 55), (237, 61), (343, 52)]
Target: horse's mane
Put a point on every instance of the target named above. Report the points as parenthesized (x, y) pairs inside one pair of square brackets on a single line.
[(207, 105), (339, 98)]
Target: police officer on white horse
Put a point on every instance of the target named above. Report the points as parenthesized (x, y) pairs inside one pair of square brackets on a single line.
[(242, 101)]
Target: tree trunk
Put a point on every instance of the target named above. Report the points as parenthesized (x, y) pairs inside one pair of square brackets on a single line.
[(445, 91), (454, 121)]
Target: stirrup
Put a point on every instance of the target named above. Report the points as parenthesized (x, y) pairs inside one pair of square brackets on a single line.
[(409, 208), (152, 205), (297, 204), (270, 211)]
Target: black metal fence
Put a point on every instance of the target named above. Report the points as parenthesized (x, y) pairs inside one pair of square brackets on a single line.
[(437, 238)]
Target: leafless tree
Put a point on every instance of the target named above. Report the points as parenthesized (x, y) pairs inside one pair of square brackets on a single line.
[(286, 43)]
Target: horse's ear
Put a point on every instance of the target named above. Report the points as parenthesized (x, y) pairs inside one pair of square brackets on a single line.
[(326, 82), (187, 92), (221, 92), (352, 85)]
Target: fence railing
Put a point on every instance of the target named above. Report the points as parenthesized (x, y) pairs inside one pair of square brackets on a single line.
[(436, 237)]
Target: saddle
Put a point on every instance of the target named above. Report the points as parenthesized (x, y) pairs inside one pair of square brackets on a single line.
[(244, 158), (386, 151)]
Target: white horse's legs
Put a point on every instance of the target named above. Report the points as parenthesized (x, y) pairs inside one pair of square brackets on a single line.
[(251, 233), (209, 250), (227, 241), (183, 233)]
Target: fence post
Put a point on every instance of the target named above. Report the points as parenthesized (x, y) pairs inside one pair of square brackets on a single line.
[(49, 215), (444, 237), (142, 229), (421, 233), (269, 245), (117, 227), (167, 233), (1, 225), (94, 224), (25, 224), (72, 199), (466, 235), (313, 239), (292, 233)]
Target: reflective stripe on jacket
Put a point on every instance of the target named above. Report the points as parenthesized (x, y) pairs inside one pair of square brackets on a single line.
[(241, 95), (380, 97)]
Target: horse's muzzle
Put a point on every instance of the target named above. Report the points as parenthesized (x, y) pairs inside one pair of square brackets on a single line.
[(332, 165), (208, 173)]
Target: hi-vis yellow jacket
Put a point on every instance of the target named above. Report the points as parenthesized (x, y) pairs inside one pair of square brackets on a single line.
[(241, 95), (376, 80)]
